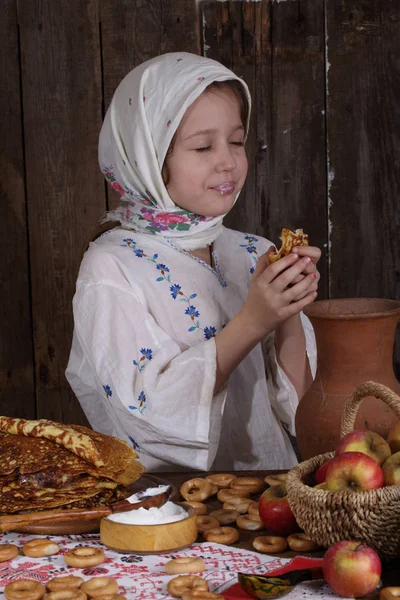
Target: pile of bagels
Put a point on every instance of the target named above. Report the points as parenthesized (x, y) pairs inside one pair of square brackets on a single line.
[(69, 587), (239, 511)]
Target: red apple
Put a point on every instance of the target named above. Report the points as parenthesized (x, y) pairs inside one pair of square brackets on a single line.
[(353, 471), (351, 569), (391, 469), (275, 511), (320, 475), (368, 442), (394, 438)]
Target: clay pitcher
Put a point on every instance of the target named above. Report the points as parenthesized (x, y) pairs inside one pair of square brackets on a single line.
[(355, 338)]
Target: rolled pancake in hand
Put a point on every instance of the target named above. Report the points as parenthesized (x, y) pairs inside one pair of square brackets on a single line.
[(289, 239)]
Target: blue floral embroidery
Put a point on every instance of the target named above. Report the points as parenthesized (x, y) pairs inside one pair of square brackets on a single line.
[(107, 390), (251, 249), (147, 354), (142, 403), (135, 445), (209, 332), (175, 290)]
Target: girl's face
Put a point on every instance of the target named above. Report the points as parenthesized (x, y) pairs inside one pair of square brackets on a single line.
[(208, 164)]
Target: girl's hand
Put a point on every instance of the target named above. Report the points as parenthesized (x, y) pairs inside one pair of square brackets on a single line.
[(314, 254), (281, 289)]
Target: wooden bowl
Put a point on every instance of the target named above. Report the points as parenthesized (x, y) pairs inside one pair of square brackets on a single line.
[(150, 539)]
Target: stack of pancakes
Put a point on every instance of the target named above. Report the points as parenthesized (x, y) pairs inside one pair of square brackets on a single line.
[(45, 465)]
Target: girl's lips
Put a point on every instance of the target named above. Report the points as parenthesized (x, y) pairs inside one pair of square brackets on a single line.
[(225, 188)]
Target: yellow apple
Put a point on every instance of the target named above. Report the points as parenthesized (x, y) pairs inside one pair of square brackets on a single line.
[(394, 438), (391, 470), (368, 442)]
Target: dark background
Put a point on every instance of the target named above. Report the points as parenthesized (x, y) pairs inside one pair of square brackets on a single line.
[(324, 76)]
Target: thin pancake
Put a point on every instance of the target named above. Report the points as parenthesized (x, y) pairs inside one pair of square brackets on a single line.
[(78, 443), (289, 240), (32, 454)]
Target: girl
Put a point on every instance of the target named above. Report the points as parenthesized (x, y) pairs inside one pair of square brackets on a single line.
[(188, 344)]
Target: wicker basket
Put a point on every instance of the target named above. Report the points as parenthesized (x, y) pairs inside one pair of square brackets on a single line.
[(371, 517)]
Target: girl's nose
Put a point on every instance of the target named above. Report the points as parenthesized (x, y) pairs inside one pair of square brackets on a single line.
[(226, 160)]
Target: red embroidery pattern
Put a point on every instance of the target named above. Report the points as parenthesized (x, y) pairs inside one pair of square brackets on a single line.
[(144, 577)]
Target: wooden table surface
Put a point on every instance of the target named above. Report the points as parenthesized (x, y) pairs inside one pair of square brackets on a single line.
[(391, 578), (246, 537)]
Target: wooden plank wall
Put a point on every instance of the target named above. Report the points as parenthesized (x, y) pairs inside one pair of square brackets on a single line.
[(324, 149)]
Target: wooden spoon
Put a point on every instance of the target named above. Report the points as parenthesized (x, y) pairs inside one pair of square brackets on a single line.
[(10, 522)]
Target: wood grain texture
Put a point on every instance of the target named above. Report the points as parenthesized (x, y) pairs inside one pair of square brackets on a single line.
[(364, 148), (324, 149), (133, 32), (238, 35), (16, 353), (279, 51), (61, 91)]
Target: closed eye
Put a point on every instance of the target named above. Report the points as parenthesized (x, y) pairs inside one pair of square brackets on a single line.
[(204, 149), (238, 143)]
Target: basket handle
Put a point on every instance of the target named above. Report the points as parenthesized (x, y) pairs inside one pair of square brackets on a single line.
[(369, 388)]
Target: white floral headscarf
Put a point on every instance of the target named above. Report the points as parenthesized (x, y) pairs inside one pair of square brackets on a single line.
[(140, 123)]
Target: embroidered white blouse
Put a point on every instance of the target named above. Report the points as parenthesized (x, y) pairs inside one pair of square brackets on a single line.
[(143, 357)]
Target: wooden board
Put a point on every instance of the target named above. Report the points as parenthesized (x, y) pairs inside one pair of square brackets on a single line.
[(133, 32), (278, 48), (61, 93), (16, 353), (364, 149)]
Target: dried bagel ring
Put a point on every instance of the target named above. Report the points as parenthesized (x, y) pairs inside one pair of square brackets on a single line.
[(100, 586), (197, 489), (250, 522), (186, 583), (40, 547), (225, 494), (24, 589), (111, 597), (199, 595), (60, 583), (270, 544), (71, 593), (254, 509), (251, 484), (390, 593), (186, 564), (241, 505), (8, 552), (214, 489), (206, 522), (84, 556), (221, 535), (199, 507), (300, 542), (224, 516), (222, 480), (276, 478)]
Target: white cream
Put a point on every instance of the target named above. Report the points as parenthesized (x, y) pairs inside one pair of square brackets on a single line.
[(147, 492), (168, 513)]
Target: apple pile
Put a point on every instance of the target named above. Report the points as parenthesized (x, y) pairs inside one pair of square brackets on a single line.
[(363, 460)]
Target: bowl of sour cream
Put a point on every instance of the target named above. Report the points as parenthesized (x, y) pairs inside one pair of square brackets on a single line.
[(170, 527)]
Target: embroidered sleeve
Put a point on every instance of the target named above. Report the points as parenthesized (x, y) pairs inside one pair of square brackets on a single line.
[(282, 393), (160, 395)]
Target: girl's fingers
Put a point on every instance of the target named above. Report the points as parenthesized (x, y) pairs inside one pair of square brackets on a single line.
[(308, 285), (282, 265), (298, 305), (261, 265), (312, 251), (286, 272)]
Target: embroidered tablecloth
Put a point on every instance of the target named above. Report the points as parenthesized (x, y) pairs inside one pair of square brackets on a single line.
[(143, 577)]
